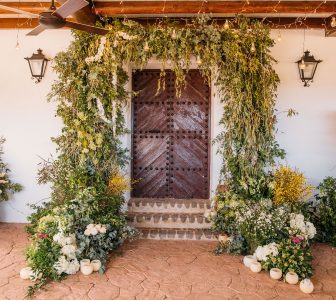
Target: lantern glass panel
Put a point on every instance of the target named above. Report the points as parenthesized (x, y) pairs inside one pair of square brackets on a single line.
[(36, 66), (309, 70)]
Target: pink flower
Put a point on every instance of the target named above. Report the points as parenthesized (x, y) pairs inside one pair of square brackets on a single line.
[(297, 239), (41, 235)]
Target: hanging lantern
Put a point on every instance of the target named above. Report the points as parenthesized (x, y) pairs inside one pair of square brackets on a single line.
[(307, 67), (37, 65)]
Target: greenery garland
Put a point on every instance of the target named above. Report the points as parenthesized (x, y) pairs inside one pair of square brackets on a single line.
[(91, 96)]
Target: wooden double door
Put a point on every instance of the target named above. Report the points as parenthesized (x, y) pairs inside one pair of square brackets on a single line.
[(170, 137)]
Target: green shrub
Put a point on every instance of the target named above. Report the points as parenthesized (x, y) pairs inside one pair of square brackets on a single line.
[(325, 211)]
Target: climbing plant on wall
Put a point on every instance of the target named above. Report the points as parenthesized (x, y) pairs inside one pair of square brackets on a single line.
[(91, 96)]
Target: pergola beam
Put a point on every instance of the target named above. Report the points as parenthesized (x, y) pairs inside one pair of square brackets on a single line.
[(115, 8), (112, 8), (283, 23)]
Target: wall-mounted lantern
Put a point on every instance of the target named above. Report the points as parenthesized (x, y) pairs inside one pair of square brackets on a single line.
[(37, 65), (307, 67)]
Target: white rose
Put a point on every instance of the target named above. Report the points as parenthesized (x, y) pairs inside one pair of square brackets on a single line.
[(73, 267), (61, 265), (69, 251), (69, 240), (87, 232), (102, 229), (93, 231)]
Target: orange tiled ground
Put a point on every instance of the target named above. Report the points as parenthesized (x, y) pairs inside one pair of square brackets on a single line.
[(163, 270)]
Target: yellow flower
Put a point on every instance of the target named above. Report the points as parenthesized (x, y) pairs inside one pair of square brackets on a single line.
[(81, 116), (118, 184), (290, 186)]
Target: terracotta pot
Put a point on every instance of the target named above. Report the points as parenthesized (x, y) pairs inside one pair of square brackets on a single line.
[(275, 273), (86, 269), (306, 286), (96, 264), (292, 277), (26, 272), (255, 267), (248, 259)]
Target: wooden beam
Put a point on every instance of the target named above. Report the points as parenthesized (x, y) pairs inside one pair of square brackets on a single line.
[(23, 23), (32, 7), (113, 8), (315, 23)]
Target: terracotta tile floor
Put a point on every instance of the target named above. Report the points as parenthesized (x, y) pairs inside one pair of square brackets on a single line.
[(163, 270)]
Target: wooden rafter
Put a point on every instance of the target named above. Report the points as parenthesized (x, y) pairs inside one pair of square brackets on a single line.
[(112, 8), (288, 23), (136, 9)]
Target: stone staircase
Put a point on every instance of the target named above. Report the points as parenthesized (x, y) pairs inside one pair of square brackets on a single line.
[(170, 219)]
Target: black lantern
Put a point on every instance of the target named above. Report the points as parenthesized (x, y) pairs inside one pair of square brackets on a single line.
[(307, 67), (37, 64)]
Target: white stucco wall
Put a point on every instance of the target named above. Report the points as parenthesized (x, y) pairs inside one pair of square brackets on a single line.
[(28, 122)]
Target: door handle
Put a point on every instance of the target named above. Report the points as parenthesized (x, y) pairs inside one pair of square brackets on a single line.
[(154, 131)]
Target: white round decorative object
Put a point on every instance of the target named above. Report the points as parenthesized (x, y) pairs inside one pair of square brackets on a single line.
[(306, 286), (86, 269), (223, 238), (84, 262), (26, 272), (292, 277), (255, 267), (96, 264), (248, 259), (275, 273)]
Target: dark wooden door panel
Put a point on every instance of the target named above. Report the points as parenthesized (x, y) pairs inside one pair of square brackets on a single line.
[(150, 116), (151, 184), (188, 184), (149, 152), (170, 137), (190, 152)]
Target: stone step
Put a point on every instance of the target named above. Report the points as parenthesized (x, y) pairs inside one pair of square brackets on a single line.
[(168, 220), (168, 205), (177, 234)]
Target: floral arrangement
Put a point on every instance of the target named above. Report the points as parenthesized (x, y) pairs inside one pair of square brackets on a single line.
[(260, 221), (276, 230), (287, 255), (6, 185), (91, 97), (290, 186), (323, 211), (301, 230), (86, 227)]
